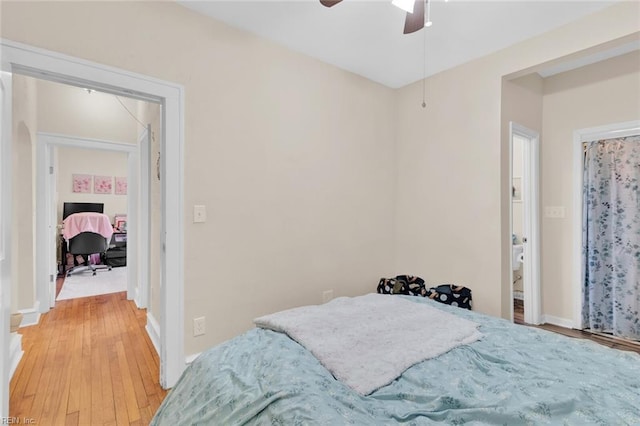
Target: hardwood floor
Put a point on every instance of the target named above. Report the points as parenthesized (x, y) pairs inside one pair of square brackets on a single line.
[(603, 339), (88, 362), (518, 311)]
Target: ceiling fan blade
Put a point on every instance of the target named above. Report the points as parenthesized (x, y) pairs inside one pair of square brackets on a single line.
[(329, 3), (415, 20)]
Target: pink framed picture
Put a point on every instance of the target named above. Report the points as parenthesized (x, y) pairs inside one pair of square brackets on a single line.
[(120, 222), (102, 184), (81, 183), (121, 186)]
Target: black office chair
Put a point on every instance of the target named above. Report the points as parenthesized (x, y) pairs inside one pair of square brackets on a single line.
[(85, 244)]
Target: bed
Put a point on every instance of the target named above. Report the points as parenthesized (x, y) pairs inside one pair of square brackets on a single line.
[(511, 375)]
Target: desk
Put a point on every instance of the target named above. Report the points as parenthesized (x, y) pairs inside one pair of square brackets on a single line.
[(116, 254), (118, 239)]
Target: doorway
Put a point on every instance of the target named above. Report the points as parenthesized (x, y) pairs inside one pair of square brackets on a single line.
[(40, 63), (580, 137), (48, 216), (525, 228)]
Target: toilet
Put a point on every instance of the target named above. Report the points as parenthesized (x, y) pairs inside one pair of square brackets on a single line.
[(517, 256)]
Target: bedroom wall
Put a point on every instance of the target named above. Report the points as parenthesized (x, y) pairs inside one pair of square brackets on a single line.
[(84, 161), (297, 177), (25, 127), (293, 158), (599, 94), (452, 186)]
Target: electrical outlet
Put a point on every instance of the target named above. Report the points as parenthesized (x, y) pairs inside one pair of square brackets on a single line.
[(198, 326), (327, 295), (554, 211)]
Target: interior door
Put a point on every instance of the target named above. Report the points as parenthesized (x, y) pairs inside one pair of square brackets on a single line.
[(144, 143), (53, 230)]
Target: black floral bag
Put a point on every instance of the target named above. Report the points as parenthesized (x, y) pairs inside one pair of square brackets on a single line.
[(402, 284), (451, 295)]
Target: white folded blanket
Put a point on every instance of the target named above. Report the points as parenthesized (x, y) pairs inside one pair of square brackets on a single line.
[(368, 341)]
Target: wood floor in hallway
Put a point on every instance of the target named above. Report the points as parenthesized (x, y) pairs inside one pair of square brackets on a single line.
[(88, 362), (603, 339)]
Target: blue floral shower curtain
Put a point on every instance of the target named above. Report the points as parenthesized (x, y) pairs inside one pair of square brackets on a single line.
[(611, 237)]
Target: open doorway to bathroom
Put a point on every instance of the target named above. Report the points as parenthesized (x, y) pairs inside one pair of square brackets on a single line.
[(517, 232), (525, 263)]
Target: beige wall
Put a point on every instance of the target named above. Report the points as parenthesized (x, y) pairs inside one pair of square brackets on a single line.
[(453, 194), (70, 110), (604, 93), (25, 127), (91, 162), (447, 216), (293, 158), (309, 172)]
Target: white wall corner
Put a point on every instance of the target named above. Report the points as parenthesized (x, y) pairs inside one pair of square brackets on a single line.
[(136, 299), (15, 352), (561, 322), (153, 330), (190, 358), (30, 316)]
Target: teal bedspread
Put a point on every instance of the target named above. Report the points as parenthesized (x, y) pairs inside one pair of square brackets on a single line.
[(514, 375)]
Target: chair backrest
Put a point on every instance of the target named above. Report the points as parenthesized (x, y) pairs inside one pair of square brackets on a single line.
[(88, 243)]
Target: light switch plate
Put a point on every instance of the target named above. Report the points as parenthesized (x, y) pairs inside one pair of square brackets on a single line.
[(199, 214)]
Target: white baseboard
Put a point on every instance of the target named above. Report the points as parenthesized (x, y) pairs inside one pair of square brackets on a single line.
[(15, 352), (135, 297), (30, 316), (561, 322), (153, 330), (189, 359)]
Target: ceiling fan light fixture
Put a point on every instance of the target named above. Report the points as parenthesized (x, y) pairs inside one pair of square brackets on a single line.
[(406, 5)]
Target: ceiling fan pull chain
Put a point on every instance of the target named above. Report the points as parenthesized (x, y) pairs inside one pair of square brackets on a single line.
[(424, 65)]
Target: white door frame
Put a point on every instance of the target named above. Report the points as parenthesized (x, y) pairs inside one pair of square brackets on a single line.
[(46, 212), (531, 222), (45, 64), (142, 293), (609, 131), (5, 240)]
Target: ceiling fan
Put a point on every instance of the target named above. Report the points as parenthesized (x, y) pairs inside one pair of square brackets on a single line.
[(415, 19)]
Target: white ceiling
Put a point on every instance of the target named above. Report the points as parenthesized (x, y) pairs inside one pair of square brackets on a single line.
[(365, 37)]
